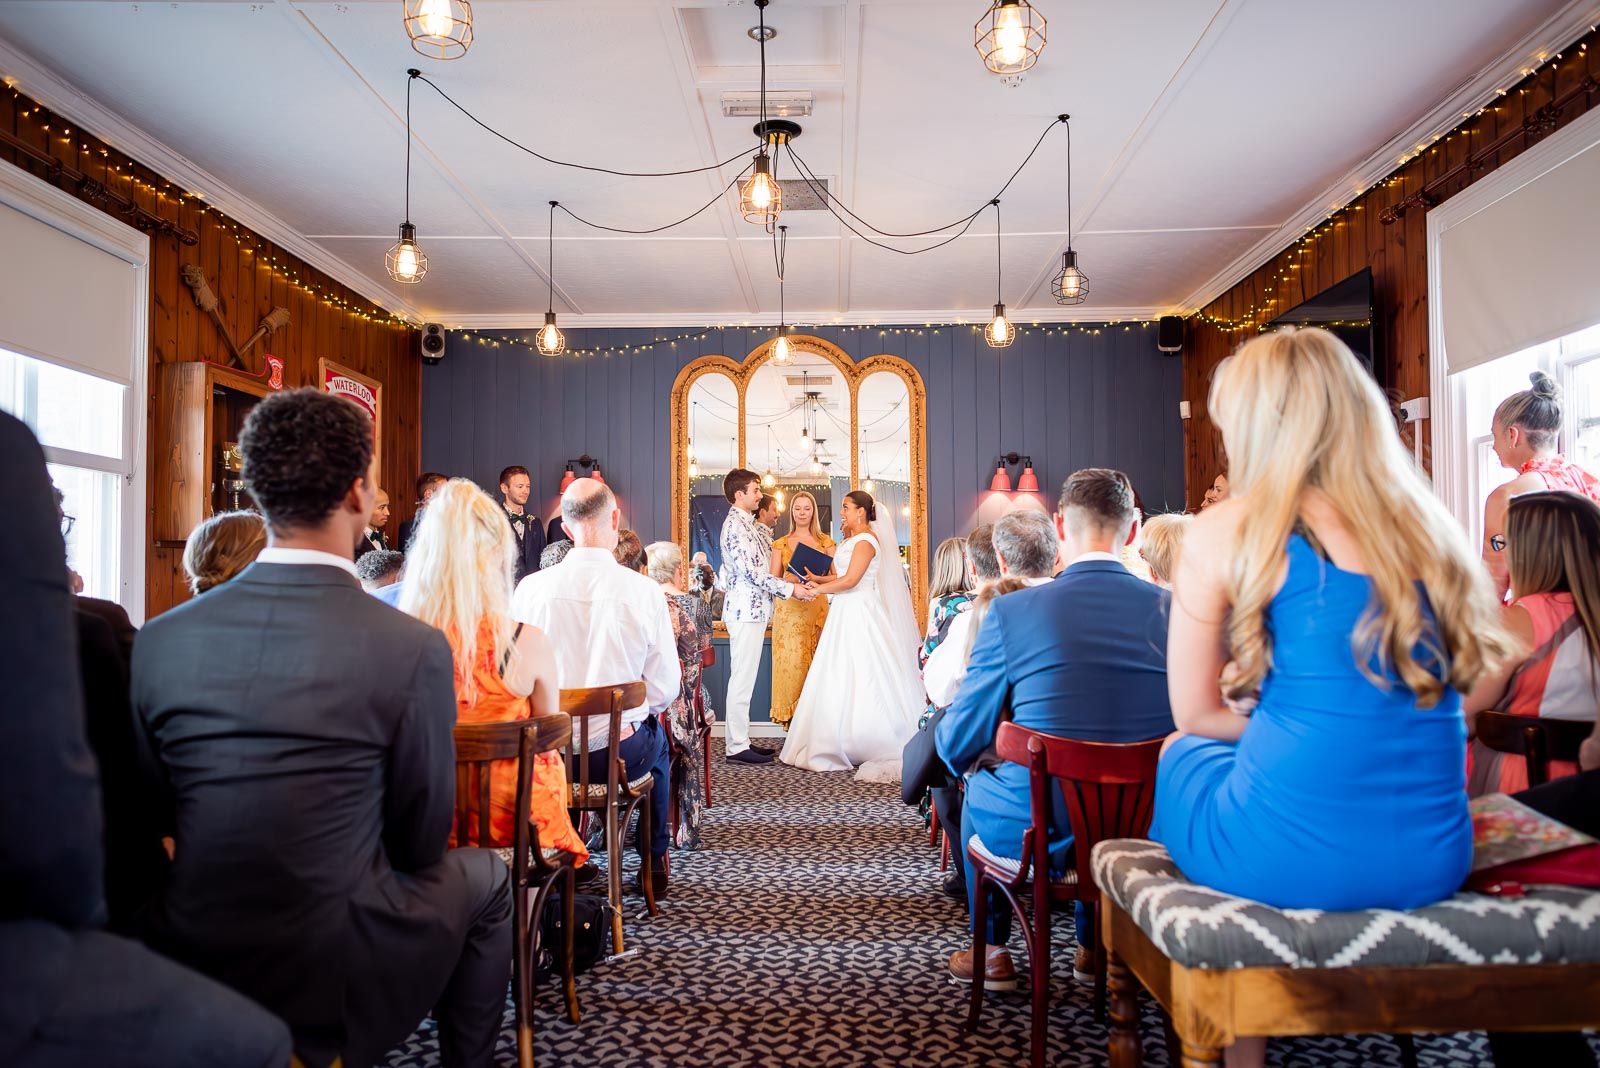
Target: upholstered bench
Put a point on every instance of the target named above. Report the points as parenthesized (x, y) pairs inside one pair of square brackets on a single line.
[(1224, 967)]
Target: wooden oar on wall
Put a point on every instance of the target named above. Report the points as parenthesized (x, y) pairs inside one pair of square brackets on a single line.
[(206, 300)]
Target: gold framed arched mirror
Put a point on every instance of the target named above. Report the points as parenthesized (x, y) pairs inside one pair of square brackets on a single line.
[(821, 423)]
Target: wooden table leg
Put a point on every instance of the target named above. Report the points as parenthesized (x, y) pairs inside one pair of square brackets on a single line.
[(1200, 1056), (1126, 1051)]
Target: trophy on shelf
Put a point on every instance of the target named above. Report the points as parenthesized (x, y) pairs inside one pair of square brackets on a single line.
[(233, 471)]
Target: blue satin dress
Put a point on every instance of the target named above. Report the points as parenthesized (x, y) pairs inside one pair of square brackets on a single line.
[(1341, 794)]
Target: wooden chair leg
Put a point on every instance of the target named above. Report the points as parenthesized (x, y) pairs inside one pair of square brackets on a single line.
[(646, 882), (1174, 1047), (1126, 1051), (944, 851), (1099, 957), (933, 823), (705, 748), (569, 973), (1039, 976), (522, 975), (614, 876), (1408, 1050), (980, 945)]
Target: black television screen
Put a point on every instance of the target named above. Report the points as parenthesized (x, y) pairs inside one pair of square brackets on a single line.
[(1345, 310)]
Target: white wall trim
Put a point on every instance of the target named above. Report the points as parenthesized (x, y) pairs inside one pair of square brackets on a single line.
[(801, 321), (1450, 472), (1559, 31)]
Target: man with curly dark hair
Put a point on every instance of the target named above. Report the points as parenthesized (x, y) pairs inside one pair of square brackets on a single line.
[(300, 733)]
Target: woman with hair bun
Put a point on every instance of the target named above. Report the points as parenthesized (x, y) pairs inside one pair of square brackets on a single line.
[(1526, 428), (221, 547)]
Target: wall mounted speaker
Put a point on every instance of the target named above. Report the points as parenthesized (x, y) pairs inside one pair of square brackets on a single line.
[(433, 343), (1170, 336)]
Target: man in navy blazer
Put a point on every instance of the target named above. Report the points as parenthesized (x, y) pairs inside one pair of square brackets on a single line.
[(1083, 657)]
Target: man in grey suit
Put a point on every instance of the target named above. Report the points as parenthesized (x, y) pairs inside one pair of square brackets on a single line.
[(302, 731)]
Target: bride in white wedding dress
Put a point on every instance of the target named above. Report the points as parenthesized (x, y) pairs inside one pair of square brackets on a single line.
[(863, 695)]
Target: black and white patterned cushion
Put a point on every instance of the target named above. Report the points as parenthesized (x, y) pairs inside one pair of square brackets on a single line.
[(1203, 928)]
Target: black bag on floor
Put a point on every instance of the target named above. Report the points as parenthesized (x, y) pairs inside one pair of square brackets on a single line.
[(591, 929)]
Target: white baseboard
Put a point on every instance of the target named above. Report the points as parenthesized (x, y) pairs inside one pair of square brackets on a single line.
[(757, 730)]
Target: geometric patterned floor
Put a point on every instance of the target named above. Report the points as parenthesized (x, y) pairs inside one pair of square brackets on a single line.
[(809, 932)]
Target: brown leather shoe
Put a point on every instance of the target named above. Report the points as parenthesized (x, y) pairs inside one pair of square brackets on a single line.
[(1083, 965), (999, 973)]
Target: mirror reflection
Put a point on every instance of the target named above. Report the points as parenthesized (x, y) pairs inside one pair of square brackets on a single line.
[(710, 452), (884, 460), (797, 427)]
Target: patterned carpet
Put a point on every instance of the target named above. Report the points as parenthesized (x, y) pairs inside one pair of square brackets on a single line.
[(809, 931)]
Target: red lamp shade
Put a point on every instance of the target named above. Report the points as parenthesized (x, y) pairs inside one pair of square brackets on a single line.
[(597, 476), (1001, 483), (1029, 482), (567, 479)]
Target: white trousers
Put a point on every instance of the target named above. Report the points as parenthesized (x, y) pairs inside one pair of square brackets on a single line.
[(744, 661)]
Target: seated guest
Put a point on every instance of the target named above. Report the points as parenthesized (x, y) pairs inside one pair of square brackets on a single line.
[(950, 592), (1036, 657), (630, 552), (1159, 543), (426, 486), (1335, 584), (609, 625), (221, 547), (554, 553), (379, 569), (301, 735), (691, 622), (526, 530), (373, 539), (459, 580), (71, 994), (1217, 492), (1550, 544)]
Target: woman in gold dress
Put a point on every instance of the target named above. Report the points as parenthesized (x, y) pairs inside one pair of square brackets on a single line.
[(796, 625)]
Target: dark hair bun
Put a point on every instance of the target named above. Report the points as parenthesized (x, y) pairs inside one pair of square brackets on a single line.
[(865, 502), (1544, 386)]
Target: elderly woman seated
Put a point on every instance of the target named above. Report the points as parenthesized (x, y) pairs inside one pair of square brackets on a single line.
[(691, 622)]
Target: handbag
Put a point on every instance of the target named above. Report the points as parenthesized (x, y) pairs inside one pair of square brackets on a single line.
[(589, 932), (920, 765), (1514, 846)]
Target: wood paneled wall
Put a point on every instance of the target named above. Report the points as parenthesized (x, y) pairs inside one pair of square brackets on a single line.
[(250, 276), (1357, 237)]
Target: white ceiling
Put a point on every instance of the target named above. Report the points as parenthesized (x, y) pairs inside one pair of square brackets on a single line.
[(1206, 134)]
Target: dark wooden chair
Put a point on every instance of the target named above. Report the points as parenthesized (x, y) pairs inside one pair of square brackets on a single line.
[(1109, 791), (616, 799), (533, 873), (1537, 741), (708, 658)]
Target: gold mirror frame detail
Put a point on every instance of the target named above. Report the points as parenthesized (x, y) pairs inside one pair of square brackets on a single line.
[(741, 372)]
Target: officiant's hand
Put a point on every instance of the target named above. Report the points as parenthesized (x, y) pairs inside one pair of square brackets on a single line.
[(812, 578), (804, 593)]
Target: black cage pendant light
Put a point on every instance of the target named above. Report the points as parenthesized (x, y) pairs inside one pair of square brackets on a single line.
[(760, 197), (1071, 285), (1000, 332), (404, 260), (1010, 36), (440, 29), (551, 341)]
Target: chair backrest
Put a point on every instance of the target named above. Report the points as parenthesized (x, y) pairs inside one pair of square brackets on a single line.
[(1108, 788), (1538, 741), (589, 701), (478, 747)]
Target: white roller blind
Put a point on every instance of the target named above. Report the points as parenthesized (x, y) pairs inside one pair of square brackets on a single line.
[(1524, 269), (65, 300)]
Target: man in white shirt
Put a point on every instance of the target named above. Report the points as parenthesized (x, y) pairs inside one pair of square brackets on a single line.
[(610, 625)]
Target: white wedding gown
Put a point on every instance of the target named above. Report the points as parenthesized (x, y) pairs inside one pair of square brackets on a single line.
[(863, 694)]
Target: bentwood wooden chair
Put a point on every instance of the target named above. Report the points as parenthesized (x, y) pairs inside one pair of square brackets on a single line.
[(1537, 741), (708, 658), (534, 871), (1109, 792), (615, 799)]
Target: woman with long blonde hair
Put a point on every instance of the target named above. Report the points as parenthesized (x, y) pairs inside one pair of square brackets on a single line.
[(796, 624), (459, 572), (1335, 585)]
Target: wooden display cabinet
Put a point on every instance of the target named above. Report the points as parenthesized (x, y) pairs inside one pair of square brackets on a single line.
[(199, 408)]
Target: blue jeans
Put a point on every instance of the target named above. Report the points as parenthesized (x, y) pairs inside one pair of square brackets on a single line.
[(998, 925), (645, 750)]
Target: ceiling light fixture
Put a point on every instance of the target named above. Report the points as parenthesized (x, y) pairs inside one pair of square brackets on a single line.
[(551, 341), (782, 348), (1010, 36), (781, 103), (440, 29), (1071, 285), (404, 260), (999, 333), (760, 197)]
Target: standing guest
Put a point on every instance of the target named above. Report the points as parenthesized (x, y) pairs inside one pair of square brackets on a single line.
[(1526, 428), (1035, 657), (796, 625), (767, 516), (691, 622), (630, 552), (554, 553), (373, 538), (1550, 545), (300, 734), (609, 625), (380, 569), (459, 580), (426, 486), (747, 606), (1335, 584), (1216, 492), (221, 547), (526, 530), (713, 594), (1159, 543)]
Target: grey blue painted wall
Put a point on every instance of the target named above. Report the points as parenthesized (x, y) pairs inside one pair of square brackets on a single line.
[(1067, 396)]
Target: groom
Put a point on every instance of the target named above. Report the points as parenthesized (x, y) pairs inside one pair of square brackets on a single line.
[(747, 577)]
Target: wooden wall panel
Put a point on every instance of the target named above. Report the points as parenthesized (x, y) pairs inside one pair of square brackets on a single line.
[(1396, 251), (250, 276)]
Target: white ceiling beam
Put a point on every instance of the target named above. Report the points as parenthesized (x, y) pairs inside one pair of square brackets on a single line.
[(784, 76)]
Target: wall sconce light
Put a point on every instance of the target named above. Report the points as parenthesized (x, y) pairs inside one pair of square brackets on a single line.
[(1001, 482), (585, 461)]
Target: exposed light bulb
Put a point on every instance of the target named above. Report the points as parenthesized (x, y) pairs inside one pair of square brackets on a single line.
[(694, 469), (760, 198), (547, 336), (434, 16), (1001, 328), (805, 438), (1010, 37), (405, 262), (905, 510), (778, 497), (767, 480), (782, 350), (816, 464), (689, 451), (869, 487), (550, 341)]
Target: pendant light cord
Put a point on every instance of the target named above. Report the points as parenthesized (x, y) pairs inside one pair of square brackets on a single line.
[(553, 206), (414, 76), (761, 39), (666, 226), (998, 299), (1069, 186)]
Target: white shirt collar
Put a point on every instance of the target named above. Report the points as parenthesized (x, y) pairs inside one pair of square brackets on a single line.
[(277, 555), (1096, 554)]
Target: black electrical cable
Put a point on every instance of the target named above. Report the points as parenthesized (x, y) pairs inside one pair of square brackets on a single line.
[(657, 229)]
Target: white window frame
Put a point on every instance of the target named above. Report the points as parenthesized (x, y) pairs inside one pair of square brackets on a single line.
[(42, 201), (1452, 453)]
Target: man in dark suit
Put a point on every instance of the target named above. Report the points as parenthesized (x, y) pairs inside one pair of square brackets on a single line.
[(302, 730), (69, 992), (427, 485), (373, 538), (1081, 657), (526, 530)]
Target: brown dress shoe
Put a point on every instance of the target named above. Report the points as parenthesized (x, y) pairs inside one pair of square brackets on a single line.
[(999, 973), (1083, 965)]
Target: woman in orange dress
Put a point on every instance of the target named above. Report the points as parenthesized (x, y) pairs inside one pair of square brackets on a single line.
[(796, 625), (459, 573)]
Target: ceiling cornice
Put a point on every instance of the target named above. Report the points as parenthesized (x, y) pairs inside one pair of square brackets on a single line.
[(57, 94), (803, 320), (1559, 31)]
